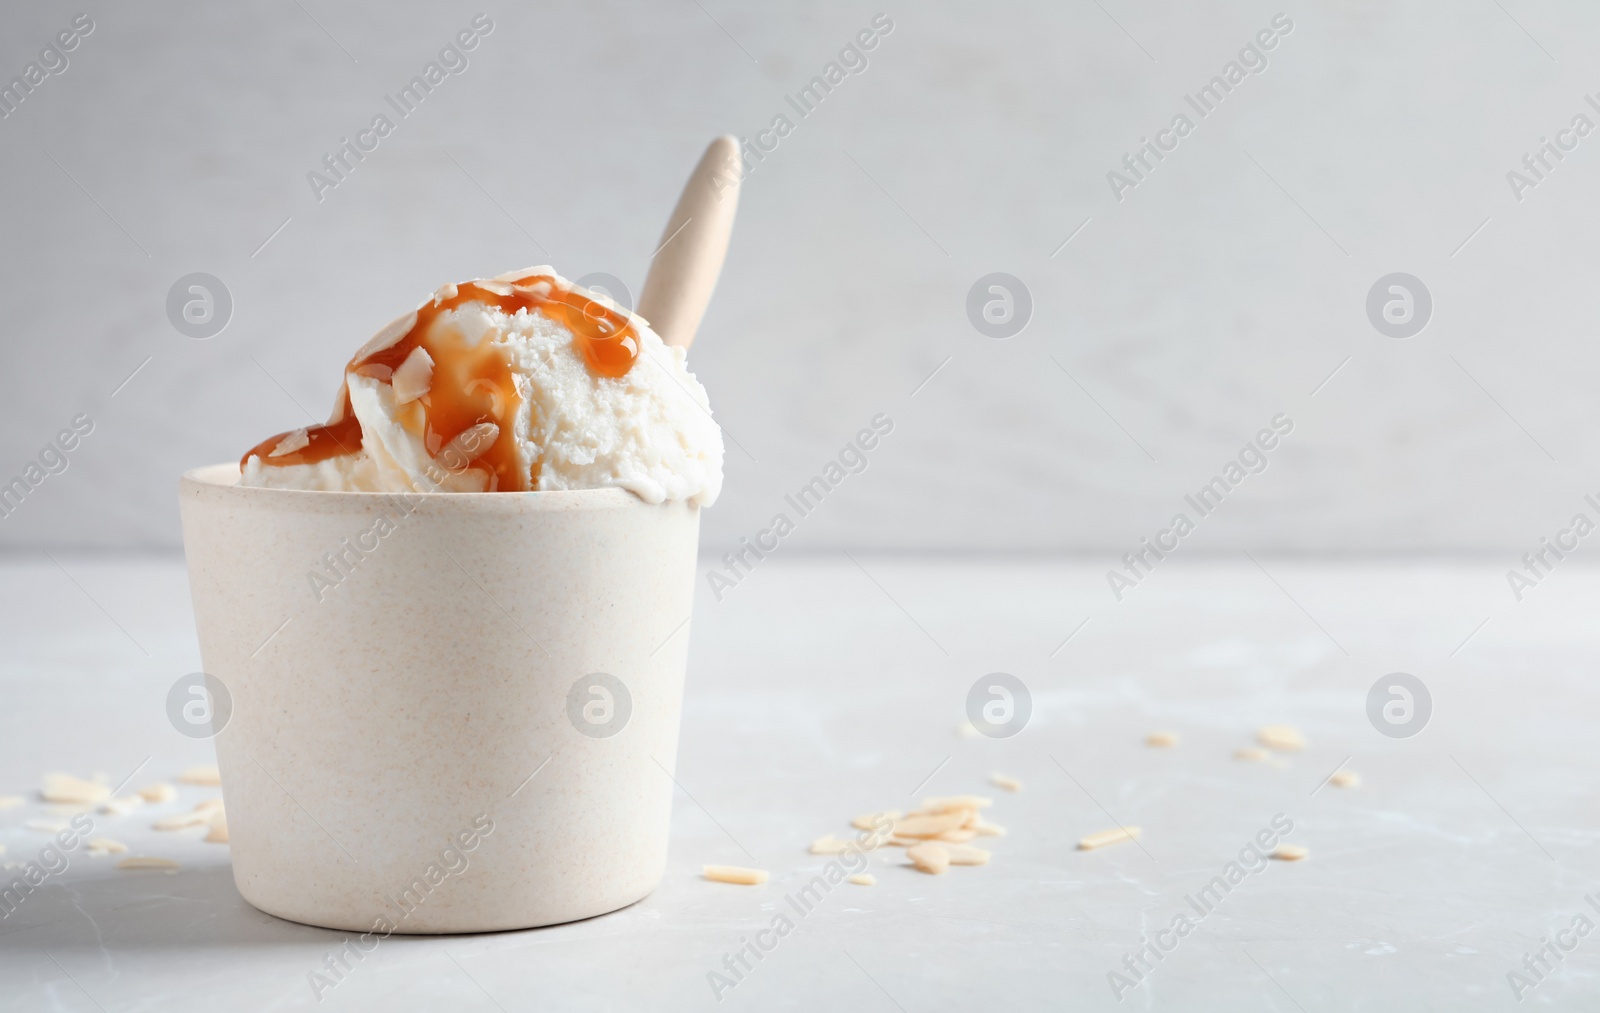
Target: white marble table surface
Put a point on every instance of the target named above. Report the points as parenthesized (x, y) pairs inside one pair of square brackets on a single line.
[(817, 693)]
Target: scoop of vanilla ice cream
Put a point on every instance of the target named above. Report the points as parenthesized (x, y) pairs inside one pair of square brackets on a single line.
[(649, 431)]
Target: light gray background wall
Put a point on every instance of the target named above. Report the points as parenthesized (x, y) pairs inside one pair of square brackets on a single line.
[(1222, 291)]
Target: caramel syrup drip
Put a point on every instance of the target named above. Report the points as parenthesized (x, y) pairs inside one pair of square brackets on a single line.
[(472, 384)]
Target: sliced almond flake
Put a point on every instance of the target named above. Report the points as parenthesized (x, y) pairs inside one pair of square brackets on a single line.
[(1161, 740), (1010, 784), (934, 859), (207, 805), (829, 845), (947, 803), (106, 846), (1104, 837), (966, 854), (300, 439), (207, 776), (11, 801), (392, 332), (144, 862), (122, 806), (1252, 754), (958, 836), (218, 833), (1290, 852), (1285, 738), (413, 377), (75, 790), (735, 874), (467, 446), (47, 826), (929, 825), (983, 829), (181, 821), (864, 879), (866, 822), (154, 793), (1345, 779)]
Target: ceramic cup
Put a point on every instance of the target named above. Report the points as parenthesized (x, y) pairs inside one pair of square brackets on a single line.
[(450, 712)]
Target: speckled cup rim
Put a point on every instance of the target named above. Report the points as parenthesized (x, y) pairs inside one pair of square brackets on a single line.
[(223, 479)]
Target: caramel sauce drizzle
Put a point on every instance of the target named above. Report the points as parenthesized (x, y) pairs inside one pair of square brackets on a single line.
[(471, 384)]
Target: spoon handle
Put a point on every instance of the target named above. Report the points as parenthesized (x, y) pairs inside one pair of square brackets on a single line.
[(684, 269)]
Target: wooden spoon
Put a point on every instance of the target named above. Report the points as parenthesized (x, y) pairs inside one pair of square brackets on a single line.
[(684, 268)]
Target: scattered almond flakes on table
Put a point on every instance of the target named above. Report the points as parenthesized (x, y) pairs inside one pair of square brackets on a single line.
[(934, 859), (142, 862), (1284, 738), (1161, 740), (966, 854), (929, 825), (105, 846), (1105, 837), (155, 793), (985, 829), (73, 790), (207, 776), (957, 836), (868, 822), (1290, 852), (951, 803), (1002, 781), (11, 801), (864, 879), (735, 874), (181, 821), (1345, 779), (829, 845), (1252, 754)]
